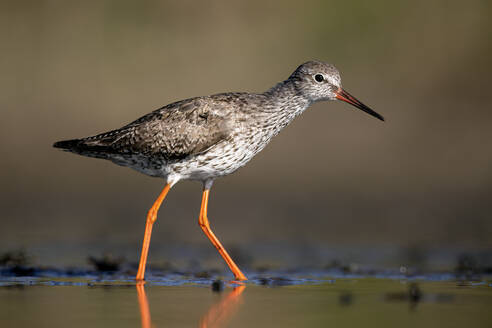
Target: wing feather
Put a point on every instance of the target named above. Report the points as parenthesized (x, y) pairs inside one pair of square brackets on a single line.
[(175, 131)]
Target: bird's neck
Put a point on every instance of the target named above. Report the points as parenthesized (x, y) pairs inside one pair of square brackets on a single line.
[(286, 96), (284, 102)]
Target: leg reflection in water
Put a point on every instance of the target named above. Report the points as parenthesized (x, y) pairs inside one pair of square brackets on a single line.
[(217, 315), (143, 304), (220, 312)]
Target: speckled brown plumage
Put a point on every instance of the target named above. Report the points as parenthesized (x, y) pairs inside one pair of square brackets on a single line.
[(206, 137)]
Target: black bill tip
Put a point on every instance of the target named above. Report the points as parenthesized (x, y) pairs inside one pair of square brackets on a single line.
[(348, 98)]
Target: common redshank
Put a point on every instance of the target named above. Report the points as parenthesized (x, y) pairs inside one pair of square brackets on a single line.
[(204, 138)]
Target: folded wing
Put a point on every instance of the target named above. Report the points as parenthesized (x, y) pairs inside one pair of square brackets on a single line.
[(173, 132)]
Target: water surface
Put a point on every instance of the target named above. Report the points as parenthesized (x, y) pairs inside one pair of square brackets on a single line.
[(266, 302)]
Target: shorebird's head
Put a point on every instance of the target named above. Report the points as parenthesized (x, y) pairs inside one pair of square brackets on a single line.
[(319, 81)]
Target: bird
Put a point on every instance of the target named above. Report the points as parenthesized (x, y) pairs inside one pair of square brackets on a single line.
[(207, 137)]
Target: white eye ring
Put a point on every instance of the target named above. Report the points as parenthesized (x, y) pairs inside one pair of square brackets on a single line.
[(319, 78)]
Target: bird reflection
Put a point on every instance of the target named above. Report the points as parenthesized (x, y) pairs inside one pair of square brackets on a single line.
[(143, 304), (217, 315), (221, 312)]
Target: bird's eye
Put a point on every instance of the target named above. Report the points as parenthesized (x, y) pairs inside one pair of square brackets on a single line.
[(319, 78)]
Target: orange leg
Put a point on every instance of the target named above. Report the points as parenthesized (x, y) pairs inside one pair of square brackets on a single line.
[(151, 218), (203, 222)]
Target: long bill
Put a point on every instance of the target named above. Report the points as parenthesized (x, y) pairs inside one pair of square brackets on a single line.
[(348, 98)]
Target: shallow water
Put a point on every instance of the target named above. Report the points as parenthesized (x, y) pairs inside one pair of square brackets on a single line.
[(282, 302)]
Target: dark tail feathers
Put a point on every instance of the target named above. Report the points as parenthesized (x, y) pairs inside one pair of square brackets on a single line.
[(68, 144), (84, 148)]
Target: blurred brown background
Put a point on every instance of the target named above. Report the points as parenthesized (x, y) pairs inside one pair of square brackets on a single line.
[(336, 183)]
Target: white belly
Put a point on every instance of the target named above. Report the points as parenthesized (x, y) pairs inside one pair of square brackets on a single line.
[(220, 160)]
